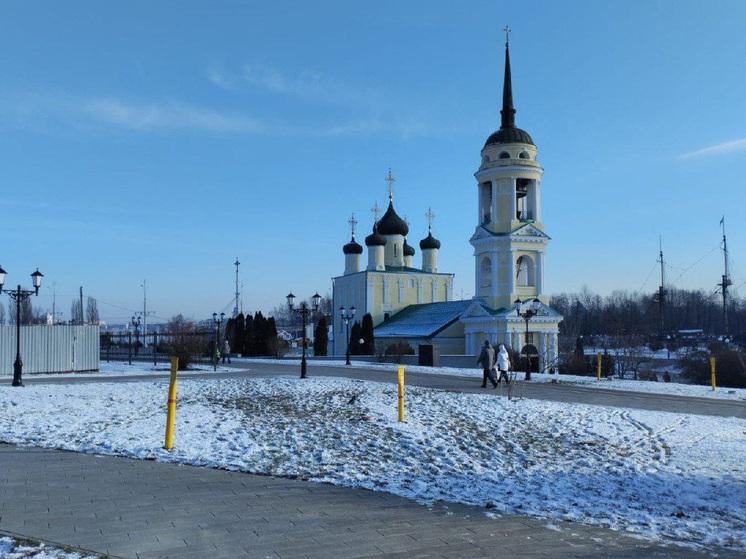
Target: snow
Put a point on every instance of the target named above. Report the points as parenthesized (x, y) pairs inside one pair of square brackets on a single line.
[(675, 477), (16, 549)]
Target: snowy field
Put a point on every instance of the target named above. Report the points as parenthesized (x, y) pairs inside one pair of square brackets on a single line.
[(661, 476)]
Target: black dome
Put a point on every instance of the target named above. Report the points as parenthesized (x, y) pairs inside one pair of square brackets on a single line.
[(509, 135), (375, 238), (392, 224), (352, 247), (429, 242), (408, 250)]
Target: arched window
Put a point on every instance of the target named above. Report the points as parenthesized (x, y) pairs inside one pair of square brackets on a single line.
[(504, 155), (525, 271), (485, 272), (524, 155)]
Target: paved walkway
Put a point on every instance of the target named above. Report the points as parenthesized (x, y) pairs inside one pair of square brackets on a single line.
[(144, 509)]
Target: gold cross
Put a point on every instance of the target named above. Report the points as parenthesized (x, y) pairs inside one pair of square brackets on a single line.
[(390, 179), (430, 216), (352, 221)]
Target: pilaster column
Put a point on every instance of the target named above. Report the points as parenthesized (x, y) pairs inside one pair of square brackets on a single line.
[(513, 200), (511, 271), (495, 269), (542, 351), (539, 273), (493, 207)]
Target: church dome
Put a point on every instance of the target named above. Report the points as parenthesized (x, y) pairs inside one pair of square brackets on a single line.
[(509, 135), (429, 242), (392, 224), (408, 250), (375, 238), (352, 247)]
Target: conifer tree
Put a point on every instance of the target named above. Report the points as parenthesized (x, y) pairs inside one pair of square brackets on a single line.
[(320, 337), (270, 338), (229, 330), (356, 347), (260, 335), (237, 339), (366, 333), (247, 348)]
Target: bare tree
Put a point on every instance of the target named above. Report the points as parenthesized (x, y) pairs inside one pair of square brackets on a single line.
[(76, 312), (2, 313), (92, 311), (630, 350), (184, 339)]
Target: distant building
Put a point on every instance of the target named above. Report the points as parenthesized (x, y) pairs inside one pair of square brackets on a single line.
[(416, 304)]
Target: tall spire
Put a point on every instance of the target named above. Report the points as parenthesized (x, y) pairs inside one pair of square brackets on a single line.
[(508, 112)]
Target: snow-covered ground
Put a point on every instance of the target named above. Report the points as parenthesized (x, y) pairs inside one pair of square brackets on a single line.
[(14, 549), (658, 475)]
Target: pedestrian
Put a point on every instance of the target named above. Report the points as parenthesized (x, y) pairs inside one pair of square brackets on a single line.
[(503, 364), (226, 351), (487, 360)]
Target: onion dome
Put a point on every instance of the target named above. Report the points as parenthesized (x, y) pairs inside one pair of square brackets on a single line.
[(375, 239), (429, 242), (407, 250), (392, 224), (508, 133), (352, 247)]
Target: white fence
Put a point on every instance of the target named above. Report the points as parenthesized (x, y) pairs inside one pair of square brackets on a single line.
[(50, 349)]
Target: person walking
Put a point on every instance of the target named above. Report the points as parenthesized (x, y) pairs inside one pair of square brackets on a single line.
[(487, 360), (503, 364), (226, 351)]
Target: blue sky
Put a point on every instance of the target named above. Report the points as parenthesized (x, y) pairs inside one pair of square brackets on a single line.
[(159, 141)]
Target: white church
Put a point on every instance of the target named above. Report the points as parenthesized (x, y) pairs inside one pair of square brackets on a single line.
[(415, 304)]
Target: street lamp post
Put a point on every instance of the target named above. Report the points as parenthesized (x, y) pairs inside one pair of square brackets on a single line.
[(136, 326), (217, 320), (347, 316), (527, 315), (19, 295), (304, 311)]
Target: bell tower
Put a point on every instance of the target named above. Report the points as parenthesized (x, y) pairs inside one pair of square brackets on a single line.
[(509, 241)]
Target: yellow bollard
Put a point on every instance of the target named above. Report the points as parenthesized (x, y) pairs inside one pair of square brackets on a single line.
[(712, 372), (401, 394), (171, 405), (598, 365)]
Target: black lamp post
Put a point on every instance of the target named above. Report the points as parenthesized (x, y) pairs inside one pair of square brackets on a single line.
[(136, 326), (217, 320), (527, 315), (19, 295), (304, 311), (347, 316)]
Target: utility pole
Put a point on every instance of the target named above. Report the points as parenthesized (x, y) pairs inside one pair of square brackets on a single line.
[(144, 313), (661, 292), (82, 316), (53, 289), (235, 308), (725, 282)]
